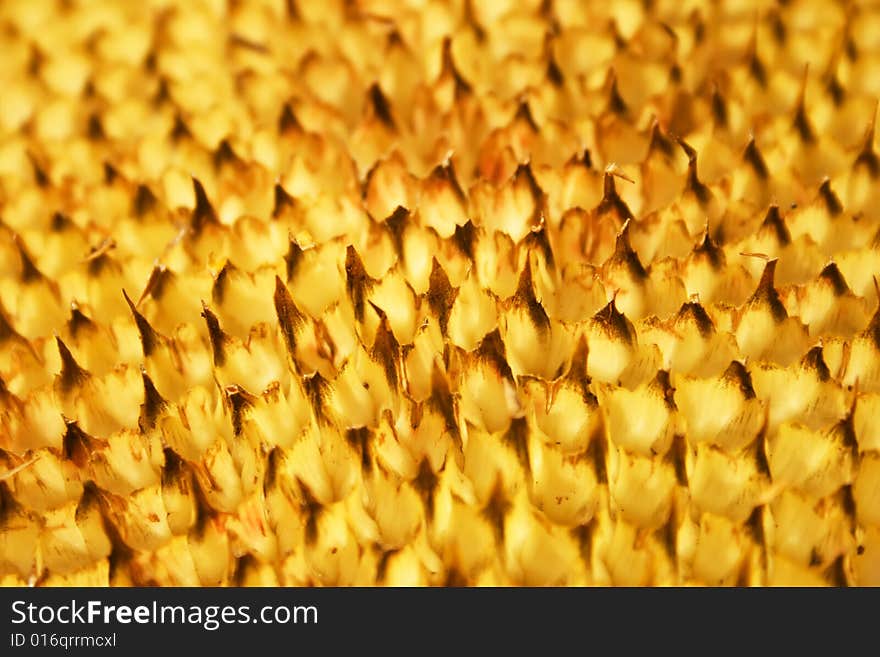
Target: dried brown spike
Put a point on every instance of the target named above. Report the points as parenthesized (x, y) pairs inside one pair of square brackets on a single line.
[(625, 255), (448, 66), (616, 104), (217, 336), (425, 484), (832, 202), (693, 311), (611, 201), (540, 240), (496, 510), (317, 389), (149, 338), (396, 224), (524, 172), (111, 173), (524, 114), (766, 292), (814, 360), (524, 297), (292, 259), (288, 122), (776, 224), (659, 142), (225, 155), (218, 289), (180, 130), (386, 349), (831, 274), (801, 121), (29, 271), (441, 295), (77, 323), (615, 323), (380, 106), (290, 319), (694, 184), (719, 107), (711, 251), (357, 283), (465, 237), (41, 177), (72, 375), (867, 157), (737, 374), (282, 200), (144, 201), (153, 404), (360, 439), (583, 158), (756, 67), (577, 369), (754, 158), (491, 350), (446, 172), (160, 276), (94, 129), (239, 400), (77, 445), (204, 213), (517, 438)]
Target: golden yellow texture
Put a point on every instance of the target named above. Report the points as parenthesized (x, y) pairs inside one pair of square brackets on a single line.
[(424, 293)]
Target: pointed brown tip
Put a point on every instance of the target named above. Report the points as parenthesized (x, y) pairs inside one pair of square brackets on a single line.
[(441, 295), (814, 360), (289, 317), (465, 239), (719, 107), (380, 106), (203, 213), (77, 323), (144, 201), (292, 259), (525, 173), (153, 404), (149, 338), (756, 160), (492, 350), (831, 274), (659, 142), (616, 104), (29, 271), (766, 292), (462, 86), (288, 122), (694, 312), (283, 200), (611, 201), (830, 198), (624, 254), (525, 298), (577, 368), (357, 281), (221, 282), (216, 335), (801, 122), (737, 374), (396, 224), (386, 349), (524, 114), (72, 375), (159, 278), (615, 322), (774, 222)]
